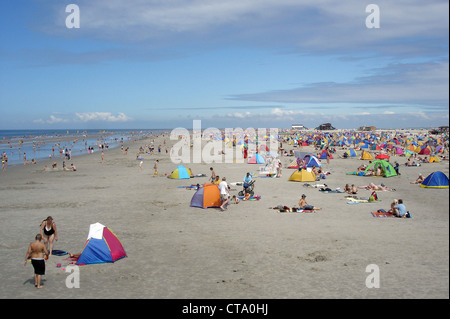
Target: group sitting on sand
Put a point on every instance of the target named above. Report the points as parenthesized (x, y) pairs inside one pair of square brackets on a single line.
[(350, 189), (303, 205)]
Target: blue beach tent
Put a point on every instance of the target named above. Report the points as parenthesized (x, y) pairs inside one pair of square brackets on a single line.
[(435, 180), (102, 246)]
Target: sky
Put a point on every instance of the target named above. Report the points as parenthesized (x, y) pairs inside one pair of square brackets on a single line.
[(160, 64)]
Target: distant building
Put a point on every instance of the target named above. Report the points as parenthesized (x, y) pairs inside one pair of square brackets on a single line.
[(325, 127), (367, 128), (299, 127), (440, 130)]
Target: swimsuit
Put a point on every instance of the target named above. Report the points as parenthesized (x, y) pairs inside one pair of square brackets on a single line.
[(49, 232), (38, 265)]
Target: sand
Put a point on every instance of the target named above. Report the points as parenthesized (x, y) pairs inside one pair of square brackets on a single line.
[(250, 251)]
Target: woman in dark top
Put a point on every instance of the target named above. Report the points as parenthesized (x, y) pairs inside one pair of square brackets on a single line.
[(49, 233)]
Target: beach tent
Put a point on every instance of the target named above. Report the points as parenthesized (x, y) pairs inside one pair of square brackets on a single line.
[(207, 196), (382, 156), (181, 172), (434, 159), (435, 180), (311, 161), (324, 155), (425, 151), (256, 159), (293, 164), (366, 156), (303, 176), (351, 152), (102, 246), (386, 167)]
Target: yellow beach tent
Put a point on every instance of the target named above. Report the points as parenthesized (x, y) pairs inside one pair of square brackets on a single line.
[(303, 176)]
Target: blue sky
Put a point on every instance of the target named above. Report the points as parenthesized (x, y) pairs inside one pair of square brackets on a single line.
[(230, 63)]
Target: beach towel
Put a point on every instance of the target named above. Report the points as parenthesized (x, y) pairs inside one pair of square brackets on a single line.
[(59, 252), (198, 175), (297, 211), (255, 197), (357, 201), (330, 191), (381, 214), (71, 259)]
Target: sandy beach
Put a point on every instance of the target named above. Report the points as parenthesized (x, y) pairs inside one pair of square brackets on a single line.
[(250, 251)]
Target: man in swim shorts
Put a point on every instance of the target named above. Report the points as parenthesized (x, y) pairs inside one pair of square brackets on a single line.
[(36, 251)]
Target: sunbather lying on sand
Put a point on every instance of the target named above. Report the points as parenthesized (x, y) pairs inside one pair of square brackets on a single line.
[(419, 180), (374, 187)]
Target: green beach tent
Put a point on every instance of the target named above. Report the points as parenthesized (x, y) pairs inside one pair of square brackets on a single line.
[(386, 167)]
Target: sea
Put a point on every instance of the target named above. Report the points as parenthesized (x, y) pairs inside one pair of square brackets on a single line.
[(46, 144)]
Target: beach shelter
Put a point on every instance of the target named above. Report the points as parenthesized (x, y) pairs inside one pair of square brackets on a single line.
[(324, 155), (311, 161), (366, 156), (399, 151), (382, 156), (207, 196), (102, 246), (303, 176), (425, 151), (256, 159), (434, 159), (293, 164), (181, 172), (386, 167), (351, 152), (435, 180)]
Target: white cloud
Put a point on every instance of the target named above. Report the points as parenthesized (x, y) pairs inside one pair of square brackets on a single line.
[(53, 120), (102, 116), (411, 83), (239, 115)]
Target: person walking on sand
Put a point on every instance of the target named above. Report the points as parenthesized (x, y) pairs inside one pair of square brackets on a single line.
[(49, 232), (36, 251), (155, 167), (224, 193), (103, 157), (213, 175)]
